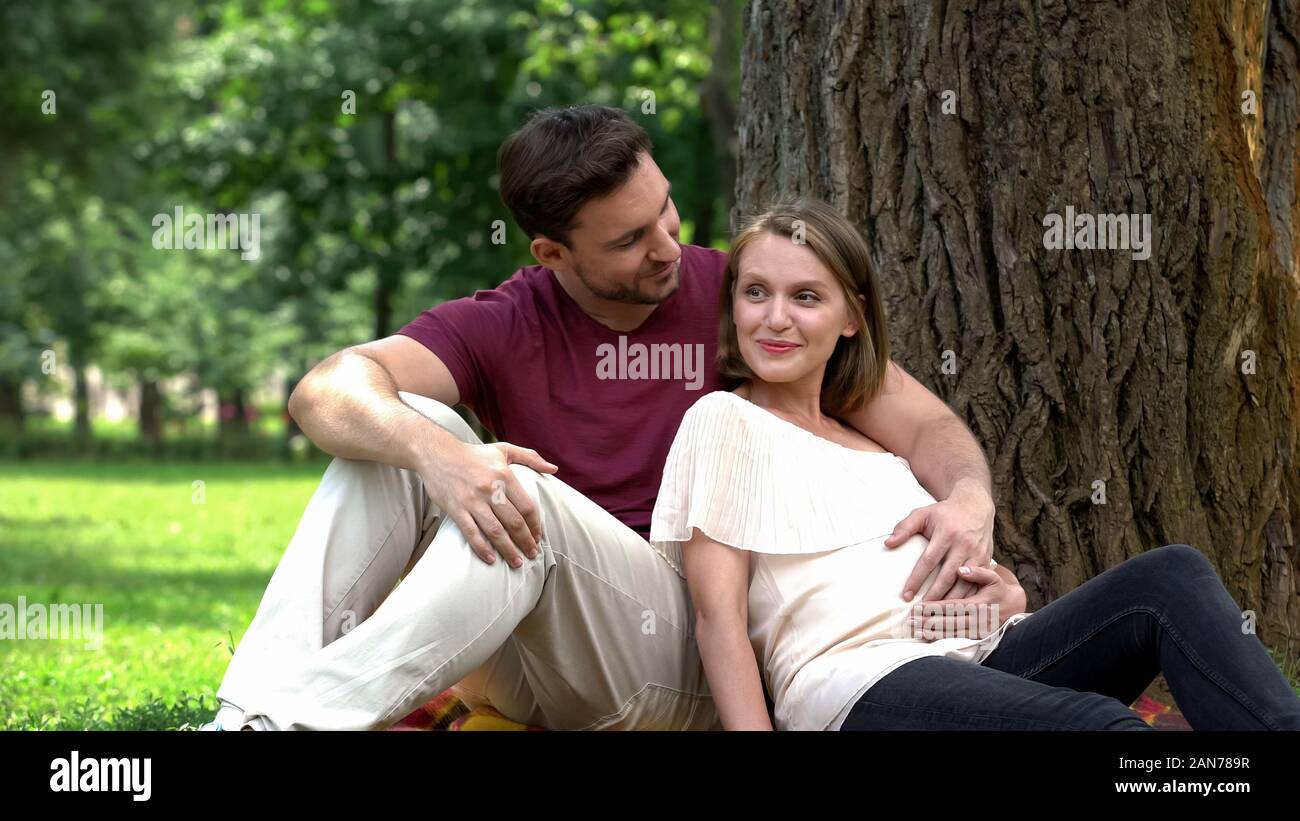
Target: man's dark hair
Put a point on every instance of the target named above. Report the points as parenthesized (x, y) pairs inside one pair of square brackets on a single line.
[(562, 157)]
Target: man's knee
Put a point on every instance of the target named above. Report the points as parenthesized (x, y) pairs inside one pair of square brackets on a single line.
[(441, 414), (528, 479)]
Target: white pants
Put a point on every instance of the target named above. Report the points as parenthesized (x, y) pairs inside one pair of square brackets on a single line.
[(597, 632)]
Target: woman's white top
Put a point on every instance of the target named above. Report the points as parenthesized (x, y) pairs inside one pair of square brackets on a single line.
[(827, 618)]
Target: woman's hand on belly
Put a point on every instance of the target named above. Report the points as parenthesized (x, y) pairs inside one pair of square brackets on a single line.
[(975, 616)]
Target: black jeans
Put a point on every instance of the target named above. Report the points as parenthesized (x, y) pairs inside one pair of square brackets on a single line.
[(1080, 661)]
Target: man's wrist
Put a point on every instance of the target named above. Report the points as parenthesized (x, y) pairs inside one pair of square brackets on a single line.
[(428, 443), (971, 489)]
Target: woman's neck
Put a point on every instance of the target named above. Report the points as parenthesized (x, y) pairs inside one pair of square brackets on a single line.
[(800, 404)]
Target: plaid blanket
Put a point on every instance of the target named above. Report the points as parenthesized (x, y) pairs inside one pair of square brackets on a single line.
[(446, 711)]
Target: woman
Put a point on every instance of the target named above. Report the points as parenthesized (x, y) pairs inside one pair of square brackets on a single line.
[(777, 514)]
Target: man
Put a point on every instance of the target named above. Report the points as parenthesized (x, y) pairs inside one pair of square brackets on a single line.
[(581, 625)]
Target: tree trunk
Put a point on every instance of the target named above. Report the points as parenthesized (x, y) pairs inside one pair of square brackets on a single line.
[(80, 402), (718, 140), (383, 301), (387, 271), (11, 404), (150, 412), (1171, 383), (232, 413), (706, 180)]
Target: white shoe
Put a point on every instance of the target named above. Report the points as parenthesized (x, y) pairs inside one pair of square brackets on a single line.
[(228, 717)]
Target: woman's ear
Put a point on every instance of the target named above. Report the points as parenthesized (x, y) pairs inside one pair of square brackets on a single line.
[(852, 327)]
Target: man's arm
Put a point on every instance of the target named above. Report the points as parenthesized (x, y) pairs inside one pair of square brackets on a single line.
[(912, 422), (909, 420), (349, 406)]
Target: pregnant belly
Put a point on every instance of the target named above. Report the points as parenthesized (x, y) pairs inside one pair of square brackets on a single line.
[(853, 595)]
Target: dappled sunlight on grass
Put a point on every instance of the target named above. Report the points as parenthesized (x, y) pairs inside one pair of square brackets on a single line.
[(178, 568)]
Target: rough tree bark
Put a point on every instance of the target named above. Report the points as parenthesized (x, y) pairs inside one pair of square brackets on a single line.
[(1073, 367)]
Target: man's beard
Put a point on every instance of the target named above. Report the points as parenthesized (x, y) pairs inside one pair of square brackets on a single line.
[(622, 293)]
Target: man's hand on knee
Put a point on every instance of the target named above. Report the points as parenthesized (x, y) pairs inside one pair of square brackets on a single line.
[(475, 487)]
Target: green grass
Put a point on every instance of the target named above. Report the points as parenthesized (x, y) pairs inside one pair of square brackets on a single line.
[(179, 582)]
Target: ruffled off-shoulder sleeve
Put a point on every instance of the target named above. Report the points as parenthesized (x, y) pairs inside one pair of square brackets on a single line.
[(752, 483)]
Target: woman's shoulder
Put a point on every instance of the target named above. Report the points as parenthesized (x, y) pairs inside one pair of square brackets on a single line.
[(721, 409), (717, 398), (714, 403)]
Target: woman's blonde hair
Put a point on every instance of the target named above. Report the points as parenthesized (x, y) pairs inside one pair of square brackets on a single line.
[(856, 369)]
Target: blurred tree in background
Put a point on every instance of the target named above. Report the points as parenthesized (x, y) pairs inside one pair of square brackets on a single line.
[(364, 136)]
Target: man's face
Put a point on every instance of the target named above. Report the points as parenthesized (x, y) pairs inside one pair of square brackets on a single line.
[(624, 246)]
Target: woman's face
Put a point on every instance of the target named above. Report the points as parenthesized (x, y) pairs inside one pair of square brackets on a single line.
[(784, 294)]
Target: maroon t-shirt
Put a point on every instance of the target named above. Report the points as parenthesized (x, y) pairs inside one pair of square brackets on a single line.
[(540, 373)]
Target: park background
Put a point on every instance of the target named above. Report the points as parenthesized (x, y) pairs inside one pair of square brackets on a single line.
[(146, 459)]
